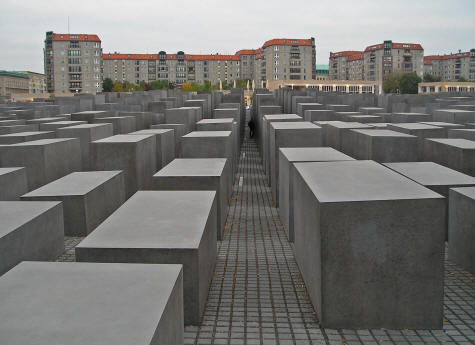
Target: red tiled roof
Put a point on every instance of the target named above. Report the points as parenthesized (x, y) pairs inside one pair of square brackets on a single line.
[(169, 57), (348, 53), (76, 37), (428, 59), (411, 46), (355, 57), (246, 52), (287, 42)]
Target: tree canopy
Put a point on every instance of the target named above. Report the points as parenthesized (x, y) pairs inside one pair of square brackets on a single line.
[(409, 83), (107, 85), (429, 78)]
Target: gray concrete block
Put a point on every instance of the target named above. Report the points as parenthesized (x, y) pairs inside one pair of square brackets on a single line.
[(362, 262), (86, 133), (343, 115), (371, 110), (421, 131), (468, 133), (185, 115), (462, 227), (165, 143), (135, 155), (45, 160), (364, 118), (319, 115), (339, 107), (93, 304), (179, 131), (445, 125), (457, 154), (45, 120), (88, 198), (454, 115), (333, 133), (410, 117), (289, 134), (22, 137), (200, 174), (381, 145), (29, 231), (13, 183), (120, 124), (288, 156), (143, 120), (18, 129), (12, 122), (53, 126), (89, 115), (162, 227), (302, 107)]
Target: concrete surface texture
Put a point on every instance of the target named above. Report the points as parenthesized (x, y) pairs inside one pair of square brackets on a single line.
[(164, 227), (108, 306), (13, 183)]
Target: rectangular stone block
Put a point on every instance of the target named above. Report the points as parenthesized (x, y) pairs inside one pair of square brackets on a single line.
[(445, 125), (200, 174), (468, 133), (185, 115), (364, 118), (288, 156), (12, 122), (289, 134), (89, 115), (357, 248), (421, 131), (457, 154), (45, 120), (120, 124), (339, 107), (343, 115), (133, 154), (454, 115), (22, 137), (53, 126), (88, 198), (162, 227), (86, 134), (143, 120), (410, 117), (109, 306), (319, 115), (381, 145), (18, 129), (371, 110), (13, 183), (179, 131), (333, 133), (224, 113), (302, 107), (462, 227), (45, 160), (165, 145), (29, 231)]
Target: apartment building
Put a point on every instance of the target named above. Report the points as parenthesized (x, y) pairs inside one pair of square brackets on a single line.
[(340, 64), (13, 83), (73, 63), (451, 67), (277, 59), (36, 83), (377, 61)]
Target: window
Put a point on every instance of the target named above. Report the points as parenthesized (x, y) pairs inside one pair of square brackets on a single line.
[(276, 56), (276, 48)]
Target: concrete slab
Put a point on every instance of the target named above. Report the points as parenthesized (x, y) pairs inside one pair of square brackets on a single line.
[(333, 133), (445, 125), (134, 154), (319, 115), (200, 174), (467, 133), (289, 134), (53, 126), (350, 229), (421, 131), (120, 124), (22, 137), (457, 154), (86, 134), (364, 118), (462, 227), (13, 183), (29, 231), (143, 119), (17, 129), (454, 115), (288, 156), (381, 145), (88, 198), (165, 140), (45, 160), (162, 227), (179, 131), (109, 307), (89, 115), (410, 117)]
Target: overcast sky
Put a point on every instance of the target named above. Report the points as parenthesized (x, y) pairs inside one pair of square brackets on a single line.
[(206, 26)]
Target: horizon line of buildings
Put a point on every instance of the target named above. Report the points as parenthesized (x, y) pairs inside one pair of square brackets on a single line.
[(379, 60)]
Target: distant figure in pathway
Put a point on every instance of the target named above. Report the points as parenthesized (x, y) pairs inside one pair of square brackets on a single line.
[(251, 128)]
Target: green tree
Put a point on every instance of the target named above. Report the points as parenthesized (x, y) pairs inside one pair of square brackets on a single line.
[(207, 85), (409, 83), (117, 87), (186, 87), (462, 80), (429, 78), (107, 85), (391, 83)]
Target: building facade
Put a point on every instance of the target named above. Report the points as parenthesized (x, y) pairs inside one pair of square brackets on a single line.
[(37, 83), (277, 59), (13, 83), (377, 61), (322, 72), (73, 63), (451, 67)]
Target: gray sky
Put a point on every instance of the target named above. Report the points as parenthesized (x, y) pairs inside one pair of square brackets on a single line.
[(207, 26)]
